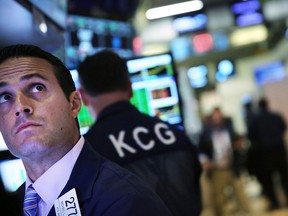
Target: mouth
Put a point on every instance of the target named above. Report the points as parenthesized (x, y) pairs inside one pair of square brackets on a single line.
[(26, 125)]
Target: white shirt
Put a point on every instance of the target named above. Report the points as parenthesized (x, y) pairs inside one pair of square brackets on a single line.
[(222, 148), (50, 184)]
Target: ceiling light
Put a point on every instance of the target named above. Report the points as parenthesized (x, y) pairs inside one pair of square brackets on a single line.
[(39, 20), (249, 35), (174, 9)]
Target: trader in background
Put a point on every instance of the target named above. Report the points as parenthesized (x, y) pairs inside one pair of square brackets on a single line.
[(220, 149), (268, 153), (159, 153), (39, 106)]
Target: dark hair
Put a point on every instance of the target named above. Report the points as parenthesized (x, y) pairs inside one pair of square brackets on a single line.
[(263, 104), (105, 71), (62, 74)]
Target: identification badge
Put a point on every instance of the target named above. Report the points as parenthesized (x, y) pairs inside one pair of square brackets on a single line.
[(67, 205)]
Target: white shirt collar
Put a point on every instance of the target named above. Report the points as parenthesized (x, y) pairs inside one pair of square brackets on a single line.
[(50, 184)]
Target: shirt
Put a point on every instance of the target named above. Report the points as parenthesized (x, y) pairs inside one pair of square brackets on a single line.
[(222, 148), (50, 184)]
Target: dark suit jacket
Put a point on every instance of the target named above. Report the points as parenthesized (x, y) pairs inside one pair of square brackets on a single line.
[(266, 131), (266, 134), (171, 169), (206, 143), (105, 189)]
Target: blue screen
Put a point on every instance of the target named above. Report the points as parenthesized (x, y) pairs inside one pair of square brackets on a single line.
[(269, 73)]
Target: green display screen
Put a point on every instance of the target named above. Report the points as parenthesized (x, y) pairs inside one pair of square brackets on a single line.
[(154, 84)]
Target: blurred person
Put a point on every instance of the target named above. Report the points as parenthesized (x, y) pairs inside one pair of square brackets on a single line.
[(249, 113), (159, 153), (38, 110), (267, 154), (220, 150)]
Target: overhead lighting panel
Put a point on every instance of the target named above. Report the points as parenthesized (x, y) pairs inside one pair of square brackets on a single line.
[(249, 35), (174, 9)]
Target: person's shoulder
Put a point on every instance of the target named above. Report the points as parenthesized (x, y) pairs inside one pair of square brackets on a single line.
[(109, 175), (112, 175), (277, 114), (116, 186)]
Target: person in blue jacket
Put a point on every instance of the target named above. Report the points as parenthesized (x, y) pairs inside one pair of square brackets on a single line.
[(38, 110), (159, 153)]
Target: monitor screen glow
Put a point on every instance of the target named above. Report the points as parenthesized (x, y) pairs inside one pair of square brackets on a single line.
[(269, 73), (87, 35), (154, 84), (247, 13), (12, 174)]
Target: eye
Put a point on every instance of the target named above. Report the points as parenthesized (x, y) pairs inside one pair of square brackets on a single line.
[(38, 88), (4, 98)]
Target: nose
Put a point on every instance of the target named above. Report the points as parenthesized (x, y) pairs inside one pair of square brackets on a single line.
[(23, 105)]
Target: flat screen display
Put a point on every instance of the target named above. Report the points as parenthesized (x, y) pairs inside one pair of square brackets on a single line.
[(87, 35), (269, 73), (225, 70), (247, 13), (192, 23), (12, 174), (155, 89)]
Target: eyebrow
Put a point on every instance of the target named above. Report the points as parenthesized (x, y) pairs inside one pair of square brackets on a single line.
[(26, 77), (30, 76)]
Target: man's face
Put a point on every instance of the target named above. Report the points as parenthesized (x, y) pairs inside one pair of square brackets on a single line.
[(36, 119), (217, 118)]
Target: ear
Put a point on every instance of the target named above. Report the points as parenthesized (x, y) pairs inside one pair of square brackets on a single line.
[(84, 97), (75, 102)]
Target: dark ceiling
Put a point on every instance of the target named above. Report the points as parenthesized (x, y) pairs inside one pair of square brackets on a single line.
[(13, 31), (125, 9), (115, 9)]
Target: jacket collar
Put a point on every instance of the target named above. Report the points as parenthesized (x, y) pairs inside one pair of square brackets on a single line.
[(114, 108), (82, 171)]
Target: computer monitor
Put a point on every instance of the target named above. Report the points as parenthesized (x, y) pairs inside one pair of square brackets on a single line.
[(274, 71), (155, 88), (12, 173), (247, 13), (87, 35)]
